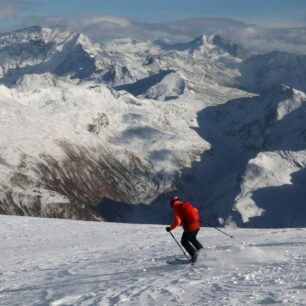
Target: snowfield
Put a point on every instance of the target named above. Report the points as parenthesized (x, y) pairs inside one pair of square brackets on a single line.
[(60, 262)]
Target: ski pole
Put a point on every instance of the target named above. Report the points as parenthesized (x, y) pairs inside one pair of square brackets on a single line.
[(219, 230), (179, 245)]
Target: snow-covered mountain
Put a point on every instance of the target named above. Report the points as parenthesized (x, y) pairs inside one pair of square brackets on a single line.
[(97, 142), (261, 72), (90, 129), (40, 50), (258, 147)]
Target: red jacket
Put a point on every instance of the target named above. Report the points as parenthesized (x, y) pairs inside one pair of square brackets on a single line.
[(187, 215)]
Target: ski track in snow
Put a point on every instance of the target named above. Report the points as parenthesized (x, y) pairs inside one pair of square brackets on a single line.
[(60, 262)]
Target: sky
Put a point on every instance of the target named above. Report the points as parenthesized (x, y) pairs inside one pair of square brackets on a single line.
[(12, 11)]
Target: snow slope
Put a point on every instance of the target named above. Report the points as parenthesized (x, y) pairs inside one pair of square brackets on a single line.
[(58, 262), (101, 143)]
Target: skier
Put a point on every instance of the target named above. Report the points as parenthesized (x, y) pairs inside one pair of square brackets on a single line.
[(188, 216)]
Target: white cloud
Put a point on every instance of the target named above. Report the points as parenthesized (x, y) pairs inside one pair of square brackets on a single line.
[(96, 27), (76, 22), (10, 9), (256, 38), (265, 22)]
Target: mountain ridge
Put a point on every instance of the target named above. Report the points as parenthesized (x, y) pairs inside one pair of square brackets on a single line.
[(128, 122)]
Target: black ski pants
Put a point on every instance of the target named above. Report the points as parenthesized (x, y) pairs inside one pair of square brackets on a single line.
[(190, 242)]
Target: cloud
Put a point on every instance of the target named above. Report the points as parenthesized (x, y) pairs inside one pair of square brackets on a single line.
[(253, 37), (262, 40), (99, 28), (10, 9), (76, 22), (96, 27), (265, 22)]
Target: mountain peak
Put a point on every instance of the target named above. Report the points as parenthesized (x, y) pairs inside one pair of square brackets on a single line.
[(34, 33), (221, 43), (22, 34), (35, 28), (205, 42)]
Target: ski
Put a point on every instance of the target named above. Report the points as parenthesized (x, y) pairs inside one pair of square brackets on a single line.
[(178, 261)]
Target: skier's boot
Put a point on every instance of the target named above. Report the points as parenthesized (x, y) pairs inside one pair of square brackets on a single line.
[(194, 258)]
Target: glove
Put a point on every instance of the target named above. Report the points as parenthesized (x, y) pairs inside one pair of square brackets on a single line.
[(168, 228)]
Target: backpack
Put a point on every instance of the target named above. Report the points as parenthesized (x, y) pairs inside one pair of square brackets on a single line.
[(189, 213)]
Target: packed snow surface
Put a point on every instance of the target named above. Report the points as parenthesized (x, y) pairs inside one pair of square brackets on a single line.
[(60, 262)]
